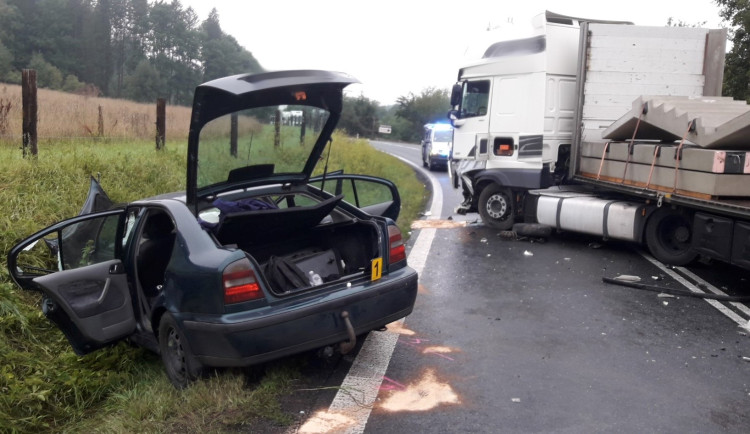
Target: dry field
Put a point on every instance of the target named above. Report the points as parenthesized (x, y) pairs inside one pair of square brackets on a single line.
[(65, 116)]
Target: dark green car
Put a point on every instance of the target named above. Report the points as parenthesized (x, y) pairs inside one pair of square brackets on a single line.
[(256, 260)]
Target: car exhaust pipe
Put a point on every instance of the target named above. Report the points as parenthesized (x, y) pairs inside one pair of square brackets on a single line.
[(346, 346)]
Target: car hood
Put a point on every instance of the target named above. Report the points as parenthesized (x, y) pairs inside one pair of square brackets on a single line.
[(248, 130)]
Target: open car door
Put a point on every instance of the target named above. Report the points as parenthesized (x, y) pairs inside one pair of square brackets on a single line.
[(375, 196), (84, 282)]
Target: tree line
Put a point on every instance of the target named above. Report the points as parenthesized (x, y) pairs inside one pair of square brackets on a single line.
[(147, 49), (133, 49)]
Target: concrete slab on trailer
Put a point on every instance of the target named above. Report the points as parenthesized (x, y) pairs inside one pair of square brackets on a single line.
[(688, 182), (692, 157), (719, 122)]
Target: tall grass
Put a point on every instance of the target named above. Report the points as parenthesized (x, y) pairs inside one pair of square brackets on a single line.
[(44, 387), (62, 115)]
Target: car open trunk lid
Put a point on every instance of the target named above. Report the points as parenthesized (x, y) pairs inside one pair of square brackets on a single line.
[(265, 108)]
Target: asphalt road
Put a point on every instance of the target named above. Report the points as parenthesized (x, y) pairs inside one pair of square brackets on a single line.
[(517, 336)]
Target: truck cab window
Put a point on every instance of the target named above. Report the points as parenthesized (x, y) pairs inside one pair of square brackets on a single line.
[(475, 98)]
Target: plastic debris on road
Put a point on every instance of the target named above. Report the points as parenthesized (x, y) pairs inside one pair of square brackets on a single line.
[(527, 253), (627, 278)]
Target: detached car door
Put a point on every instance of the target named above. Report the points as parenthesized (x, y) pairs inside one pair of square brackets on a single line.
[(82, 277), (375, 196)]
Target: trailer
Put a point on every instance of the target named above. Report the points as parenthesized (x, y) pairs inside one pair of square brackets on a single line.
[(609, 129)]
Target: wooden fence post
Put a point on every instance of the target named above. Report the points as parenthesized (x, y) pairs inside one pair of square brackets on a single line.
[(161, 122), (277, 130), (100, 123), (233, 135), (28, 99), (302, 128)]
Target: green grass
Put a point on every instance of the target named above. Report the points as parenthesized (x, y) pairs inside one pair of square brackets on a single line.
[(44, 386)]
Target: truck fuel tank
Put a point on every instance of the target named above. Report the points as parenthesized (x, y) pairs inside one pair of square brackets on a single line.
[(585, 213)]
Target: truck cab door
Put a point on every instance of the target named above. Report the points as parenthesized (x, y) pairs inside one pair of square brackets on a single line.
[(82, 277), (375, 196), (472, 120)]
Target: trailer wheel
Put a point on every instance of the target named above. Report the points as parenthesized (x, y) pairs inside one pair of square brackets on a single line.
[(496, 207), (668, 237)]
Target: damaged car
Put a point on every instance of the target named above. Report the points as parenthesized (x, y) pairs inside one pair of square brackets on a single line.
[(267, 252)]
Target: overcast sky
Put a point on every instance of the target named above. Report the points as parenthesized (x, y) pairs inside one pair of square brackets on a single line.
[(399, 46)]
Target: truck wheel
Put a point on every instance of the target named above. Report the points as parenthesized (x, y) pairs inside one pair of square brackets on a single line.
[(496, 207), (181, 366), (668, 237)]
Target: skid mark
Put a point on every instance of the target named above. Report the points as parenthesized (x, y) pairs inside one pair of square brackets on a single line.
[(325, 422), (427, 393)]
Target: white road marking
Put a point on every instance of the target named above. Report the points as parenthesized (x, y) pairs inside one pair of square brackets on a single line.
[(741, 307), (723, 309), (358, 391)]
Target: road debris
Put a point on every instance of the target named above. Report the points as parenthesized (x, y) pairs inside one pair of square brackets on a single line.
[(527, 253), (628, 278), (515, 399)]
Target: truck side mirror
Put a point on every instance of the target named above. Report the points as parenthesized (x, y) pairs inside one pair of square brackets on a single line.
[(456, 94), (453, 115)]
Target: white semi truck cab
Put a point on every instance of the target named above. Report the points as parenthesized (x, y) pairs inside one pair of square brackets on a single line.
[(610, 129), (513, 118)]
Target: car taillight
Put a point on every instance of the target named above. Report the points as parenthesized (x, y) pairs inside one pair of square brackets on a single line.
[(396, 242), (240, 282)]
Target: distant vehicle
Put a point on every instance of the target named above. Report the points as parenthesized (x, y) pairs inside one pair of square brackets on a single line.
[(255, 261), (437, 142)]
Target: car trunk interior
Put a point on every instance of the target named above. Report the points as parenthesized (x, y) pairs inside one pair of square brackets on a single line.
[(294, 245)]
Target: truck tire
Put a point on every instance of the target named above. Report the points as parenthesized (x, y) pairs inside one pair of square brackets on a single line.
[(496, 207), (668, 237)]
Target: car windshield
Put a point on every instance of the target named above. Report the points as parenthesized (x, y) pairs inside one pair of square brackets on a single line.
[(444, 135), (266, 140)]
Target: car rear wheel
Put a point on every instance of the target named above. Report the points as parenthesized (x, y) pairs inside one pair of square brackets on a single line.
[(181, 366)]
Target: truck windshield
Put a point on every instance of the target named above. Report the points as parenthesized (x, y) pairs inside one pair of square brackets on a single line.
[(476, 95)]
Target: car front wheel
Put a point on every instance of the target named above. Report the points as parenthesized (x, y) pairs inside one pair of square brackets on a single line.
[(181, 366)]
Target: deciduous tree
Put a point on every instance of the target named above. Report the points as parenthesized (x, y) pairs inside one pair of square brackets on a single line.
[(736, 13)]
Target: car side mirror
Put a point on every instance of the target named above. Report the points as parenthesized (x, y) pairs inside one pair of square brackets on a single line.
[(456, 94)]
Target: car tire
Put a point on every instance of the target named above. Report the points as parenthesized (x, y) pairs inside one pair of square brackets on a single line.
[(180, 364), (496, 207), (669, 237)]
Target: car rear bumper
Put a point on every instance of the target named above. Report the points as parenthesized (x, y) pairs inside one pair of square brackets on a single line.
[(255, 337)]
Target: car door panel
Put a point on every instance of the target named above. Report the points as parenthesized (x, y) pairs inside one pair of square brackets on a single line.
[(96, 300), (86, 291)]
